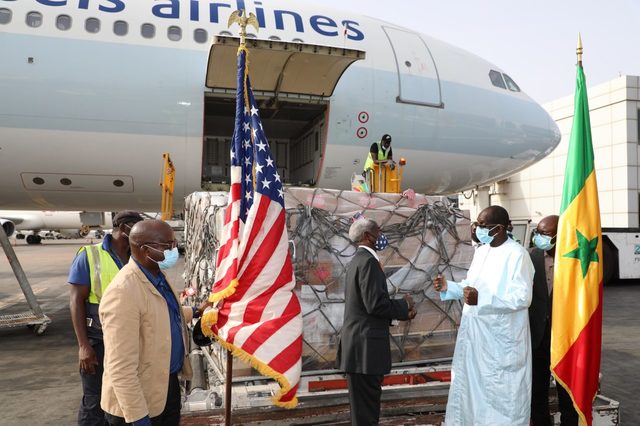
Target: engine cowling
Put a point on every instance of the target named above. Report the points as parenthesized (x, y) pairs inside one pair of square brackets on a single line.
[(8, 226)]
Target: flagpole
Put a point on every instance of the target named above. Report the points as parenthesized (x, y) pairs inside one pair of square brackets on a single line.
[(243, 19), (579, 50), (227, 389)]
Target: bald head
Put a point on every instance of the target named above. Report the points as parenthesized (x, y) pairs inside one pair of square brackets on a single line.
[(150, 231), (548, 225), (148, 240)]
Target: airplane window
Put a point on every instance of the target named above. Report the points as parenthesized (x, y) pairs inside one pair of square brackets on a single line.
[(34, 19), (92, 25), (225, 33), (251, 35), (496, 79), (511, 84), (274, 38), (297, 40), (63, 22), (200, 35), (174, 33), (148, 30), (120, 28), (5, 16)]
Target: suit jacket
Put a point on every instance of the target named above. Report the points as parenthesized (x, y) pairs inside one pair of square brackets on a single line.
[(540, 309), (137, 343), (364, 338)]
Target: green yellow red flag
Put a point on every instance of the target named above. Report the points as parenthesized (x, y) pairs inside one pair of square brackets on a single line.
[(576, 331)]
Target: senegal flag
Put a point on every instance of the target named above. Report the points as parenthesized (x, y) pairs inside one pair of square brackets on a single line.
[(576, 331)]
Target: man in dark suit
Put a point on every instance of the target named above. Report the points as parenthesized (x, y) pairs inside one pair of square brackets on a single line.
[(542, 257), (364, 353)]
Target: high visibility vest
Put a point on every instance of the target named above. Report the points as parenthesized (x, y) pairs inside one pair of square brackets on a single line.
[(382, 155), (102, 269)]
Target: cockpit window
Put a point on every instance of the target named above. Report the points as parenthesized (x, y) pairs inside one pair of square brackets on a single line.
[(5, 16), (511, 84), (496, 79)]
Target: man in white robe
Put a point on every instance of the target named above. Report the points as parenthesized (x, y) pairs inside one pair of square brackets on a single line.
[(491, 376)]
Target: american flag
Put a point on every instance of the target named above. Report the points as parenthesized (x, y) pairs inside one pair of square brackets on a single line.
[(257, 315)]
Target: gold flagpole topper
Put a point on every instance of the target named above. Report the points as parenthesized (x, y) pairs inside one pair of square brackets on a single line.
[(243, 19), (579, 50)]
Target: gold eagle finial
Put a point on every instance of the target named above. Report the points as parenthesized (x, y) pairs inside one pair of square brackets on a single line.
[(241, 18)]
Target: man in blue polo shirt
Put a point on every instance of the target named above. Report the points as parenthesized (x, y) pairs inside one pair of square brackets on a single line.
[(91, 272)]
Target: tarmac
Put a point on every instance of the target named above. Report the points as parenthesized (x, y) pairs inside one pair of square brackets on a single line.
[(40, 384)]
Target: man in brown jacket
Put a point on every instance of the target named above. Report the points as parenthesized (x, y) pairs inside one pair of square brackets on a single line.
[(144, 333)]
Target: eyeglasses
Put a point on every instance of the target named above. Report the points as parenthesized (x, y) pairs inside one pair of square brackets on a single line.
[(485, 226), (170, 244), (536, 232)]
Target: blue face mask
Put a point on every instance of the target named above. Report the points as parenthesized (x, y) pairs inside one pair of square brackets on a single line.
[(543, 242), (381, 242), (483, 234), (170, 258)]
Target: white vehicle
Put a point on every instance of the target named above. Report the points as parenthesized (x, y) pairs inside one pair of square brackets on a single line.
[(621, 253), (29, 224), (95, 91)]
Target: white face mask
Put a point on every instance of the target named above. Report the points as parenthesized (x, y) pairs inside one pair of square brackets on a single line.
[(543, 242), (170, 258), (483, 234)]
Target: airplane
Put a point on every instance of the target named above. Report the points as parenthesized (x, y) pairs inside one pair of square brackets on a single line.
[(67, 223), (95, 91)]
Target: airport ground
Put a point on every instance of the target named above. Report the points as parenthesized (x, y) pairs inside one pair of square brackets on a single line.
[(39, 382)]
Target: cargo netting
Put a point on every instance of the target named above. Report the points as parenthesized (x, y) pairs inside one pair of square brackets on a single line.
[(427, 236)]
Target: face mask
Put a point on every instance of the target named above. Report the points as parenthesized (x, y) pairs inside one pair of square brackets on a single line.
[(543, 242), (170, 258), (381, 243), (483, 234)]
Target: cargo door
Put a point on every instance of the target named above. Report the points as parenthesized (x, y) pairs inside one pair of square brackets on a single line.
[(292, 84)]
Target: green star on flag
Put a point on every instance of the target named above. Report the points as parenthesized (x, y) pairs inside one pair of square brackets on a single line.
[(585, 252)]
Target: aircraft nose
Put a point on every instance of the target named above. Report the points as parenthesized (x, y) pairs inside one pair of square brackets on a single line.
[(541, 135)]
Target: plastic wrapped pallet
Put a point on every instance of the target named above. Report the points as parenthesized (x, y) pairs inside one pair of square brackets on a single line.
[(426, 236)]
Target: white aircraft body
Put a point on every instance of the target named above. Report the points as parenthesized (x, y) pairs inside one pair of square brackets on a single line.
[(67, 223), (95, 91)]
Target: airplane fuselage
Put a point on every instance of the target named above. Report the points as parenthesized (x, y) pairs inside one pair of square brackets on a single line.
[(91, 101)]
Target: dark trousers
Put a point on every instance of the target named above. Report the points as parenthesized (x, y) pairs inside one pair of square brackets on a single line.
[(171, 414), (568, 414), (541, 360), (364, 397), (90, 413), (540, 415)]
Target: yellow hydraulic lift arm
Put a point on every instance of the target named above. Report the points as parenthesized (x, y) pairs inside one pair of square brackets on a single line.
[(167, 183)]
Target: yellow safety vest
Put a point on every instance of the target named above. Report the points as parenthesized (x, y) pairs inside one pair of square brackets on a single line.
[(102, 269), (382, 155)]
